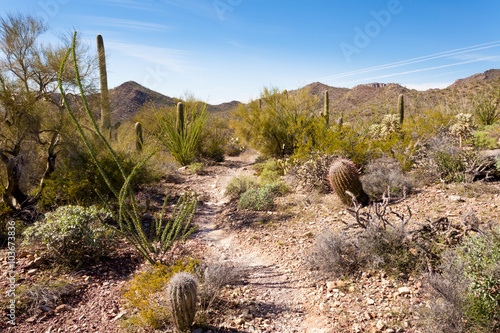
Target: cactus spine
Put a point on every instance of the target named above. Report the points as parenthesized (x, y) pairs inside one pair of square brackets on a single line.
[(326, 109), (401, 109), (343, 177), (179, 121), (103, 76), (138, 136), (182, 295)]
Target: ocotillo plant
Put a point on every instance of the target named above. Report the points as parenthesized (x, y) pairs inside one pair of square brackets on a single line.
[(344, 177), (326, 109), (138, 136), (182, 296), (401, 109), (103, 76)]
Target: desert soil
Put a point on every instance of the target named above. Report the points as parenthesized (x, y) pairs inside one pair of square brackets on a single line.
[(278, 292)]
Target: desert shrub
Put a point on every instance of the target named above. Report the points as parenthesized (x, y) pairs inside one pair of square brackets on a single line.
[(486, 107), (43, 295), (72, 234), (313, 172), (213, 139), (197, 168), (271, 172), (449, 160), (144, 295), (335, 253), (76, 180), (216, 275), (259, 199), (465, 293), (233, 147), (273, 125), (487, 137), (239, 185), (384, 173)]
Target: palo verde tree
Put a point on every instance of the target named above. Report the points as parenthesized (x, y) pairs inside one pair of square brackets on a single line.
[(32, 117)]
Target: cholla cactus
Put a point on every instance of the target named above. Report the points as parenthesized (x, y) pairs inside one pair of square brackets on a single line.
[(344, 177), (464, 126), (390, 124), (182, 295)]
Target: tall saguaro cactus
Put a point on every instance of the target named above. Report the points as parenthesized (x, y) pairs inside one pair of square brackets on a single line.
[(179, 120), (138, 136), (103, 77), (326, 109), (401, 108)]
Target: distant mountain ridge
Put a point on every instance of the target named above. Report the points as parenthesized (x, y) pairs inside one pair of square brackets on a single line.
[(366, 99)]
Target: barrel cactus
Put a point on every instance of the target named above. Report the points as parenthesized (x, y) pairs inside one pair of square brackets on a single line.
[(344, 177), (182, 295)]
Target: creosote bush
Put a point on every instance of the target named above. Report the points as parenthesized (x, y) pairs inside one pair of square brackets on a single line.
[(259, 199), (73, 234)]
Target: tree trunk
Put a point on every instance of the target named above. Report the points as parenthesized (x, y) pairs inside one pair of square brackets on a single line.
[(13, 195), (51, 161)]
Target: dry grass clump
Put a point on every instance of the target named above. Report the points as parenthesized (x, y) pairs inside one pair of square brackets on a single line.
[(43, 295), (384, 173), (217, 275)]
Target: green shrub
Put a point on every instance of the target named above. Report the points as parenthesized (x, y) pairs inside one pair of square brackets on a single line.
[(72, 234), (271, 172), (273, 125), (197, 168), (144, 295), (239, 185), (466, 292), (486, 107), (259, 199), (76, 180)]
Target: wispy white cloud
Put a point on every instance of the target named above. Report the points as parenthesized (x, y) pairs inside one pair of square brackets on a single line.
[(170, 59), (446, 54), (369, 79), (132, 4), (127, 24)]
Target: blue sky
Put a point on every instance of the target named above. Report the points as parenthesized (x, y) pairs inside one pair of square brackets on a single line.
[(223, 50)]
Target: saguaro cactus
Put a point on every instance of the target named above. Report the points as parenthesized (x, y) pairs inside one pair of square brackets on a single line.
[(343, 177), (179, 121), (138, 136), (401, 108), (103, 76), (326, 109), (182, 295)]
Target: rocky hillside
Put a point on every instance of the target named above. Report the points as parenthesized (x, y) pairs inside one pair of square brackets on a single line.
[(130, 97), (365, 100)]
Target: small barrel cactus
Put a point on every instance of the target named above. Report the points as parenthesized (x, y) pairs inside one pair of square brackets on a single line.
[(343, 177), (182, 295)]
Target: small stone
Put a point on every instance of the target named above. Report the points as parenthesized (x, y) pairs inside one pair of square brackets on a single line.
[(456, 198), (32, 271), (404, 290), (63, 307), (380, 324), (390, 330), (369, 301), (239, 321), (352, 289), (323, 307)]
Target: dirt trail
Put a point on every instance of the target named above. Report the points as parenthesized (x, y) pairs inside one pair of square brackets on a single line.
[(274, 298)]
